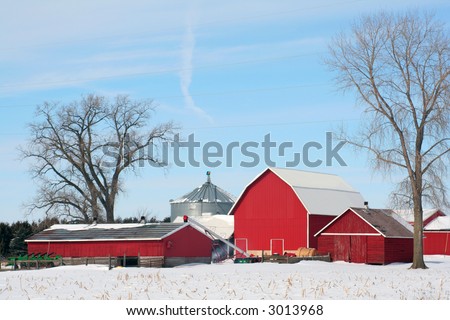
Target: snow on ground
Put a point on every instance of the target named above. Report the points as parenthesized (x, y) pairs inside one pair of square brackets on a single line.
[(304, 280)]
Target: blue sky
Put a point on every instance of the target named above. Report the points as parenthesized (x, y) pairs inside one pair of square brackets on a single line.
[(224, 71)]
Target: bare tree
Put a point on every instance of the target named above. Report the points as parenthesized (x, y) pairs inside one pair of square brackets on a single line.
[(80, 152), (399, 67)]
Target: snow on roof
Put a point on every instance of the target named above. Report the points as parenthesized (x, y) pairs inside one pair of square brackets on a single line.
[(107, 232), (440, 223), (321, 193), (408, 214), (96, 226), (221, 224)]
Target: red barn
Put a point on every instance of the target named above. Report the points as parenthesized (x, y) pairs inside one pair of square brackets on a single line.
[(362, 235), (436, 230), (282, 209), (437, 236), (428, 215), (175, 243)]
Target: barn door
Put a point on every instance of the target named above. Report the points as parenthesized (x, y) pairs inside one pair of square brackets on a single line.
[(342, 248), (242, 244), (358, 249), (277, 246)]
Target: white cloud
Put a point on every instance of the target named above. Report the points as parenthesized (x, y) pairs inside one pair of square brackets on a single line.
[(187, 52)]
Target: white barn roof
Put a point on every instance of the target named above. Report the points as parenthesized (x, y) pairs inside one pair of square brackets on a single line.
[(320, 193), (440, 223)]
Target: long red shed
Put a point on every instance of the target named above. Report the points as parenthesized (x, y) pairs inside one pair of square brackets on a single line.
[(362, 235), (175, 243), (282, 209)]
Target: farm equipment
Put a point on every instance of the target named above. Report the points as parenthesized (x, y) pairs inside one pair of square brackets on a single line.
[(214, 235), (25, 260)]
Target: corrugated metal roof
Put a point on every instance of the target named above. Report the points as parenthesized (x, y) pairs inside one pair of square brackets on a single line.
[(439, 224), (207, 192), (106, 232), (320, 193), (385, 221)]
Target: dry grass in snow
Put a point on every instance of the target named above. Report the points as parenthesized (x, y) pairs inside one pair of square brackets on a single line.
[(304, 280)]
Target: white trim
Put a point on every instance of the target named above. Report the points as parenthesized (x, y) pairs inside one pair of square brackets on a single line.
[(436, 231), (357, 215), (363, 234), (184, 225), (307, 228), (271, 246), (246, 243), (350, 234)]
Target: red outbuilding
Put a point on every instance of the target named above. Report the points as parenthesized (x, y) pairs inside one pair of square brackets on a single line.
[(428, 215), (437, 236), (362, 235), (173, 243), (436, 230), (282, 209)]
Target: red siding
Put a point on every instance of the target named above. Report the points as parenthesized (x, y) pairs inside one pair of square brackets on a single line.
[(375, 249), (99, 248), (357, 249), (187, 242), (316, 223), (436, 242), (340, 239), (325, 244), (269, 209), (349, 222), (398, 250)]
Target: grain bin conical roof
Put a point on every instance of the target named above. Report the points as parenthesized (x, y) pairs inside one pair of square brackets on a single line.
[(207, 192), (205, 200)]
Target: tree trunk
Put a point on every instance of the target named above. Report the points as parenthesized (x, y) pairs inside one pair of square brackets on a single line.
[(418, 261), (109, 211)]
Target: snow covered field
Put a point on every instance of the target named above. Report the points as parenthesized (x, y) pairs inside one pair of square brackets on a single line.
[(305, 280)]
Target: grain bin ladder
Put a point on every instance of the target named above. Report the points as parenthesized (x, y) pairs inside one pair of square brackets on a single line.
[(214, 235)]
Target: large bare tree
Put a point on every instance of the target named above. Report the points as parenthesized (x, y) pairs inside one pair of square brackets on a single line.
[(80, 151), (398, 65)]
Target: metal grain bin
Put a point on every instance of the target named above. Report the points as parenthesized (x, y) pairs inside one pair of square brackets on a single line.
[(205, 200)]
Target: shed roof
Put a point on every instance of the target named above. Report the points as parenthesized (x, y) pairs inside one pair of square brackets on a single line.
[(439, 224), (107, 232), (320, 193), (384, 221)]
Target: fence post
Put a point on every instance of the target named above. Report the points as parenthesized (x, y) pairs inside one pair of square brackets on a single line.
[(124, 260), (37, 264)]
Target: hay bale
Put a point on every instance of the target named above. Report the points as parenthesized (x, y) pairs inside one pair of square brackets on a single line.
[(306, 252)]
